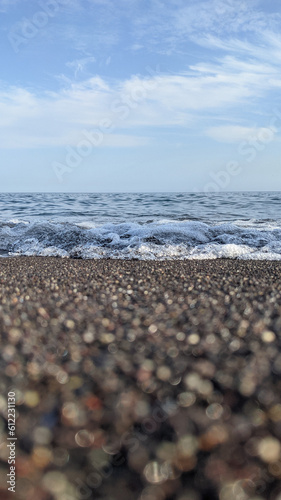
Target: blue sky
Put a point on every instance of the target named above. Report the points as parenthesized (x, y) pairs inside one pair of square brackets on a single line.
[(140, 95)]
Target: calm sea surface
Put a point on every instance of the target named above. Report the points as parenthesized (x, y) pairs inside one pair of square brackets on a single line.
[(142, 226)]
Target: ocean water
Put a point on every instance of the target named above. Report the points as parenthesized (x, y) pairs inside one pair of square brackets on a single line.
[(143, 226)]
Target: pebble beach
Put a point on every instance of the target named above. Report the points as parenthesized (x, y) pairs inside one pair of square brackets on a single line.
[(142, 380)]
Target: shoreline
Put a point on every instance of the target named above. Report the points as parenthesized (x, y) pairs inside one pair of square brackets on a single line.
[(135, 259), (143, 379)]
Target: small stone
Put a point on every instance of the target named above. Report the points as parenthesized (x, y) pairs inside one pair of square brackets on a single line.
[(268, 337), (269, 449)]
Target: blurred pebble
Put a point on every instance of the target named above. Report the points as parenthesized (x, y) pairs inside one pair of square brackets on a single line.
[(84, 438), (154, 473), (269, 449)]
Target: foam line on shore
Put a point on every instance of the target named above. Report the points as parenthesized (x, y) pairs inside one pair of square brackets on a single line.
[(161, 240)]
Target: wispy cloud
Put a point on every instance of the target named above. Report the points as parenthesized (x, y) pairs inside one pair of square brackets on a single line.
[(79, 65), (168, 26), (240, 72), (155, 101), (236, 134), (224, 17)]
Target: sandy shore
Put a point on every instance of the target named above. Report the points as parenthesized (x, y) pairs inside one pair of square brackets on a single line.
[(142, 380)]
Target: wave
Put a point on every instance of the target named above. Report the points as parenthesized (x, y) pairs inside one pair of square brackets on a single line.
[(160, 240)]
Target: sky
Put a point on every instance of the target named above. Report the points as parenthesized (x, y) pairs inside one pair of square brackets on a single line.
[(140, 95)]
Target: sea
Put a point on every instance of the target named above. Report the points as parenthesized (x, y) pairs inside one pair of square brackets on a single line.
[(143, 226)]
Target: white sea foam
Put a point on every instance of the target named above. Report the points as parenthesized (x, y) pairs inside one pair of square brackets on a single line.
[(164, 239)]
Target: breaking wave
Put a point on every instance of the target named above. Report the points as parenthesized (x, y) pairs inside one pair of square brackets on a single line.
[(158, 240)]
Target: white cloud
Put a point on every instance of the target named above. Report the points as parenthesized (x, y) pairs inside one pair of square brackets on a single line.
[(168, 25), (236, 134), (79, 65), (159, 100), (236, 81), (224, 17), (24, 140), (265, 47)]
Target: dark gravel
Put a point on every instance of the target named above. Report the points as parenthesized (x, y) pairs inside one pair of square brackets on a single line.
[(140, 380)]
